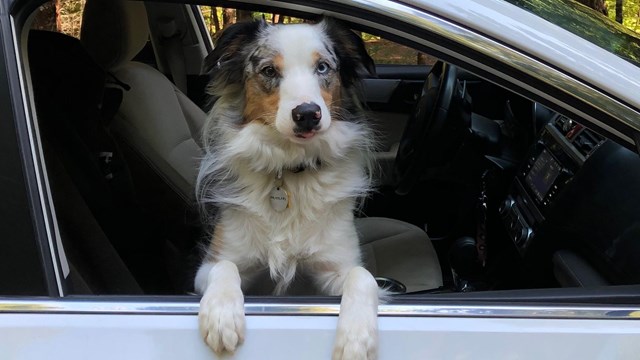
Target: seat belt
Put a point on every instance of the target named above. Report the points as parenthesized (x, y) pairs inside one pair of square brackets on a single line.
[(112, 97), (174, 54)]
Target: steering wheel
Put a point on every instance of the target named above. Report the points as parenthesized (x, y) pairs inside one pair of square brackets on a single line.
[(422, 136)]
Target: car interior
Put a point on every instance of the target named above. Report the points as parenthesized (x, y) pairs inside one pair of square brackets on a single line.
[(479, 187)]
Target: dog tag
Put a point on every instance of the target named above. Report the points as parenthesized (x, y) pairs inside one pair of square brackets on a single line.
[(279, 199)]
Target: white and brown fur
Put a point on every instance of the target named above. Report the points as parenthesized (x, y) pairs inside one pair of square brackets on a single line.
[(261, 74)]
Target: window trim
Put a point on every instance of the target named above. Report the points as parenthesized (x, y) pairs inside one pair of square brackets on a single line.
[(259, 307)]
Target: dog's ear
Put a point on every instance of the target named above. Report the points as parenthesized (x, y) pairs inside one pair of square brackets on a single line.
[(229, 44), (350, 50)]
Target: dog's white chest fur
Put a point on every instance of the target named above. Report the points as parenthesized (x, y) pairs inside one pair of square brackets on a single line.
[(319, 215)]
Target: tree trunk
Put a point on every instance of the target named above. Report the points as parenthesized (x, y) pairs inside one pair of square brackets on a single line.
[(598, 5), (58, 6), (214, 18), (228, 17), (421, 59), (619, 11), (47, 17), (243, 15)]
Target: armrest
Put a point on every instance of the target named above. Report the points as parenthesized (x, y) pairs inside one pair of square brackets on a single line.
[(571, 270)]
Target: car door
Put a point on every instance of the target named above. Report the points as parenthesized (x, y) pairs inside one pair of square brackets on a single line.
[(39, 318)]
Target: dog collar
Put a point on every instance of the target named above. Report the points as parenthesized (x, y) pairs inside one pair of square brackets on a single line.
[(302, 167), (298, 169)]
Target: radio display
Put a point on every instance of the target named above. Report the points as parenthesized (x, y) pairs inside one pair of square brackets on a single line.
[(543, 173)]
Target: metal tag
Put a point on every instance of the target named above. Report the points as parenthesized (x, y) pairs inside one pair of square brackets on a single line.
[(279, 199)]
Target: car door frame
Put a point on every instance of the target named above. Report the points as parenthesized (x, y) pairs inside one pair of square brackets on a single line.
[(28, 256)]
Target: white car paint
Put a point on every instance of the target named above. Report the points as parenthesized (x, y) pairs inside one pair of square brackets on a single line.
[(160, 337)]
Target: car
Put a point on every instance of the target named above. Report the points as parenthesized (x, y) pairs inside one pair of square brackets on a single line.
[(507, 200)]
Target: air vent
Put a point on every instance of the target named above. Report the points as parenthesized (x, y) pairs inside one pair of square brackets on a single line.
[(586, 142), (565, 125)]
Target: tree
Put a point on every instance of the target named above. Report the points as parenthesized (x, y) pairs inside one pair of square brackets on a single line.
[(48, 17), (214, 19), (278, 19), (243, 15), (228, 17), (598, 5), (619, 15)]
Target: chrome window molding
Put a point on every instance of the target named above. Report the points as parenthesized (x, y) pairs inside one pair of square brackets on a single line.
[(257, 308)]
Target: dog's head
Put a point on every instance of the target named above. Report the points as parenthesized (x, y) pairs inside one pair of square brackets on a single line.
[(297, 78)]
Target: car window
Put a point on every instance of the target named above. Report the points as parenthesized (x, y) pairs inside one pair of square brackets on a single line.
[(499, 161)]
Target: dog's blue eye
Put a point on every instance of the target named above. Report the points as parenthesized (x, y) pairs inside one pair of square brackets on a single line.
[(322, 68), (269, 71)]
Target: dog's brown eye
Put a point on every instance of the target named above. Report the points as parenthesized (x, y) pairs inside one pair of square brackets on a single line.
[(322, 68), (269, 71)]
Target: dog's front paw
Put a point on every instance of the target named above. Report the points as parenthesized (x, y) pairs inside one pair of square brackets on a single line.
[(356, 341), (221, 319), (357, 333)]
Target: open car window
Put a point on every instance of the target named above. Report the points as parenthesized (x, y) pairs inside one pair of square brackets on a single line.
[(510, 196)]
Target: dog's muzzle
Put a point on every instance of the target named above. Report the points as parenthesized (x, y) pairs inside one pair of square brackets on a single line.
[(306, 116)]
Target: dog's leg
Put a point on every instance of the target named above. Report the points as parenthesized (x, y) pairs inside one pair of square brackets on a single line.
[(221, 316), (357, 332)]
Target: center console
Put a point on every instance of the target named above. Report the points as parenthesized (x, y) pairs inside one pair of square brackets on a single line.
[(561, 150)]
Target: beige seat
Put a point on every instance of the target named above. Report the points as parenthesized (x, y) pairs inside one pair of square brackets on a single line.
[(155, 118), (163, 126), (400, 251)]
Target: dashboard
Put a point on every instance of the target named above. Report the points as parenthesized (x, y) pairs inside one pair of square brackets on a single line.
[(575, 203), (561, 150)]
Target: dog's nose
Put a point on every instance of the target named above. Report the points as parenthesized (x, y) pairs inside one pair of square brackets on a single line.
[(306, 115)]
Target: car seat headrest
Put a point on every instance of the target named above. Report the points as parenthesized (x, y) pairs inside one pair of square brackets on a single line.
[(114, 31), (63, 74)]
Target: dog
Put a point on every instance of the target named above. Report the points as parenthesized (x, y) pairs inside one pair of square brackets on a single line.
[(287, 160)]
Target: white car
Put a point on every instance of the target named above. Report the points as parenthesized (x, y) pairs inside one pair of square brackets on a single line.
[(507, 219)]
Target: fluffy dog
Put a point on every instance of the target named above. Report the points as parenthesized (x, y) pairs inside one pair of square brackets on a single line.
[(287, 159)]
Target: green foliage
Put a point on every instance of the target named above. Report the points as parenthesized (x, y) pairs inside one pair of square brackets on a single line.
[(71, 7), (71, 16), (589, 24), (630, 13)]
